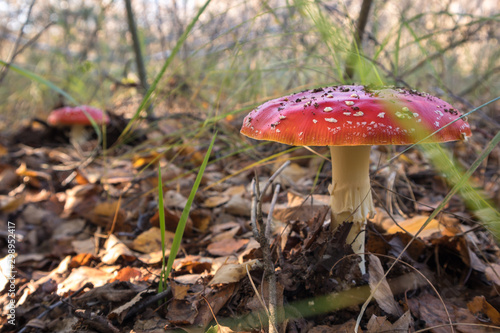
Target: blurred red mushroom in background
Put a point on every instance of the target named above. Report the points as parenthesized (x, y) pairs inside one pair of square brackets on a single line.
[(77, 118), (349, 119)]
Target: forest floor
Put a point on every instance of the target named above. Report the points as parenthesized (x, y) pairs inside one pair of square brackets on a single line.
[(88, 243)]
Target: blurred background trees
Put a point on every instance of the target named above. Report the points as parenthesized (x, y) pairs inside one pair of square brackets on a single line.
[(242, 52)]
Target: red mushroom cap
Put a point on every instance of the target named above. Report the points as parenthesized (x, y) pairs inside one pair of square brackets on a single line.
[(355, 115), (76, 116)]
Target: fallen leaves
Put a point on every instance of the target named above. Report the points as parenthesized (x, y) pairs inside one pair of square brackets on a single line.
[(98, 222)]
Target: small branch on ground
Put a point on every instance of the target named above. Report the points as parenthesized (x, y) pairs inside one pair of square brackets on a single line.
[(59, 303), (263, 234)]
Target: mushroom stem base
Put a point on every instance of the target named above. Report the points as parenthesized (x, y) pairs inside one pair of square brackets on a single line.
[(351, 198)]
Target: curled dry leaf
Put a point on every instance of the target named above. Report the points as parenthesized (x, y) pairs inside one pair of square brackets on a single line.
[(114, 249), (414, 224), (480, 308), (230, 273), (383, 293), (382, 325)]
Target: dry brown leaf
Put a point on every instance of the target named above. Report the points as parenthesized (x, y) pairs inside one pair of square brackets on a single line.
[(82, 259), (378, 325), (201, 219), (216, 299), (479, 306), (153, 257), (10, 204), (238, 205), (430, 309), (182, 312), (231, 273), (150, 240), (226, 247), (347, 327), (114, 249), (189, 279), (80, 276), (8, 178), (172, 218), (127, 274), (84, 246), (80, 199), (36, 215), (414, 224), (179, 291), (104, 213), (382, 325), (383, 293), (215, 201), (295, 200), (229, 234), (493, 273), (173, 199), (291, 174), (235, 190), (140, 161)]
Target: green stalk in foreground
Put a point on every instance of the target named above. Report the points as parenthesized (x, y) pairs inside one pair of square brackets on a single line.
[(179, 232)]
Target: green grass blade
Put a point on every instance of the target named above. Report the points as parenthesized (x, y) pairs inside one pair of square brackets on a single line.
[(161, 214), (179, 232), (34, 77)]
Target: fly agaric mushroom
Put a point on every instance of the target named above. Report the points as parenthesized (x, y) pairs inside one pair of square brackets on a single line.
[(349, 119), (77, 118)]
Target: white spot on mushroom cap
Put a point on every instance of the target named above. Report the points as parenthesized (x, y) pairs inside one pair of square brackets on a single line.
[(331, 120), (277, 131), (327, 109), (349, 103), (355, 95), (381, 115), (405, 109), (315, 121), (347, 113), (358, 114), (282, 117), (329, 96)]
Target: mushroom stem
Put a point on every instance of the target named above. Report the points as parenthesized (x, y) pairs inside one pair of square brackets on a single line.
[(78, 134), (351, 197)]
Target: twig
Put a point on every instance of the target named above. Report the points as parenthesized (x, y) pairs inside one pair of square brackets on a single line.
[(14, 53), (273, 177), (151, 300), (271, 210), (253, 211), (59, 303), (139, 60), (358, 38), (263, 234)]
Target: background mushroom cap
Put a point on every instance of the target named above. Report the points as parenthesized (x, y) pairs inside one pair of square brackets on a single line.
[(76, 116), (355, 115)]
